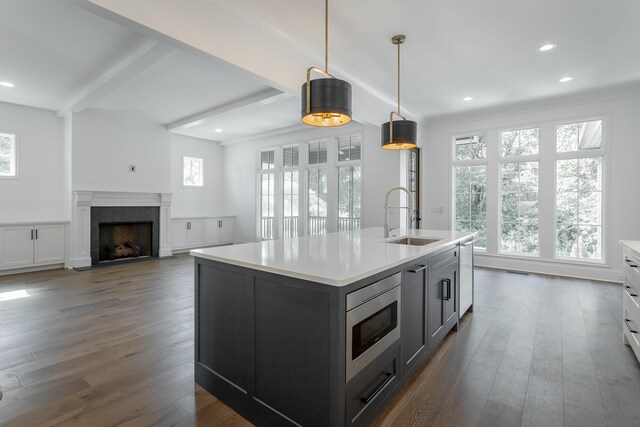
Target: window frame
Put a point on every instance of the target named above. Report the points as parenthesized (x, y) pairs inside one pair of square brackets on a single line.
[(16, 156), (468, 162), (600, 153), (521, 158), (201, 160)]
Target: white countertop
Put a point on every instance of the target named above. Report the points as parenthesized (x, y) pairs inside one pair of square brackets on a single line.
[(336, 259), (634, 245)]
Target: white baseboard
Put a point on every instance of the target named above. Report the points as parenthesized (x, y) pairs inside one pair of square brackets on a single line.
[(554, 268), (79, 262), (31, 269)]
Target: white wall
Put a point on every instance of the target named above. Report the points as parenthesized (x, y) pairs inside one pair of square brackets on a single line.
[(38, 193), (198, 201), (104, 144), (622, 210), (381, 171)]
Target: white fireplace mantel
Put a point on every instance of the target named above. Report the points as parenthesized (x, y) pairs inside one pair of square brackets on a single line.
[(82, 202)]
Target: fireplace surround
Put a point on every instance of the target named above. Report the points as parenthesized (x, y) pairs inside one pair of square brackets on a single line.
[(82, 219), (121, 233)]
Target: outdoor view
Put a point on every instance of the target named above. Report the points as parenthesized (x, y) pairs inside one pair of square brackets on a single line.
[(7, 155), (471, 187)]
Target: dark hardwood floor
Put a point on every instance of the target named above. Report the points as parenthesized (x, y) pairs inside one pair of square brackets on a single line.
[(114, 346)]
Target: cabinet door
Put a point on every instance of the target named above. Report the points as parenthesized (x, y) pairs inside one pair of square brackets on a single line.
[(227, 230), (212, 231), (179, 234), (195, 233), (435, 322), (49, 244), (414, 311), (17, 246), (450, 300)]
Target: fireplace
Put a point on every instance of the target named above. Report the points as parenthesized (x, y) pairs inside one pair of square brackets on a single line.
[(121, 241), (120, 234)]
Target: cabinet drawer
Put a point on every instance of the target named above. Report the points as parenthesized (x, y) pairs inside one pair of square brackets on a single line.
[(630, 332), (371, 387), (631, 270), (631, 306), (442, 258)]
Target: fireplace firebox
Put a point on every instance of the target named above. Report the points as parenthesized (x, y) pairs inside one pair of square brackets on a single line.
[(120, 234)]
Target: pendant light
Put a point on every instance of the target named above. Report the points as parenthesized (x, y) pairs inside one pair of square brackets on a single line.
[(326, 101), (401, 134)]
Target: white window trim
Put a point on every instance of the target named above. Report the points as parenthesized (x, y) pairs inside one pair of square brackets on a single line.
[(547, 157), (16, 146), (184, 157)]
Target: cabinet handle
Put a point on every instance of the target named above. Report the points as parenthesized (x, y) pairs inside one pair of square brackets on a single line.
[(36, 234), (419, 269), (448, 282), (219, 224), (388, 378), (32, 234), (630, 263), (629, 325), (626, 288), (188, 225)]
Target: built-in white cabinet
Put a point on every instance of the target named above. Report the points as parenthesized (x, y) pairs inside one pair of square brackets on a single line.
[(29, 245), (198, 232), (631, 296)]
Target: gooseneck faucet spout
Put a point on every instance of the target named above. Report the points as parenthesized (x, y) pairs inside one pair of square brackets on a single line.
[(412, 207)]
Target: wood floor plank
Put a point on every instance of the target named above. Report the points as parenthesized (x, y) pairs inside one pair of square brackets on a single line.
[(114, 346)]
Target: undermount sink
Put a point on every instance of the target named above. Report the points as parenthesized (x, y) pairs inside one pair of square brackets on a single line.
[(414, 241)]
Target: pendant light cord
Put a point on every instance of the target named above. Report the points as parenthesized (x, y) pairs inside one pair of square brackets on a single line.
[(326, 36), (399, 79)]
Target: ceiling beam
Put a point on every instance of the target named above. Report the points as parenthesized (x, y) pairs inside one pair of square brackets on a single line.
[(135, 60), (262, 98)]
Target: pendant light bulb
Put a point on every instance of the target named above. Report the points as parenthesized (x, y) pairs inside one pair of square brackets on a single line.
[(399, 134), (326, 101)]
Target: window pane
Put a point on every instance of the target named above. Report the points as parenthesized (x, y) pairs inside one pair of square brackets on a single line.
[(522, 142), (471, 147), (267, 205), (471, 203), (349, 198), (317, 152), (343, 149), (519, 207), (8, 154), (579, 208), (317, 215), (290, 204), (579, 136), (267, 159), (349, 148), (192, 172), (290, 156)]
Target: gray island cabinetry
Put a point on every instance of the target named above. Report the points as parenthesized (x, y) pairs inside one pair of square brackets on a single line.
[(321, 330)]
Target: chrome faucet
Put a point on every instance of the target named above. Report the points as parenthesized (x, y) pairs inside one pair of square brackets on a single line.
[(412, 206)]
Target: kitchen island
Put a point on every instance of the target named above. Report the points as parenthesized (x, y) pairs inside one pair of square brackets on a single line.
[(322, 330)]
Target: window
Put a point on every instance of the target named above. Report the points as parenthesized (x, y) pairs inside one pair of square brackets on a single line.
[(349, 183), (267, 195), (348, 198), (470, 175), (318, 195), (8, 155), (309, 188), (290, 191), (192, 172), (579, 190), (519, 191), (317, 152), (413, 180)]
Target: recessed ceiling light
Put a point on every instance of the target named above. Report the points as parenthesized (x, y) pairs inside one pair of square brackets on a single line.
[(467, 98), (218, 130), (7, 84), (566, 79), (547, 47)]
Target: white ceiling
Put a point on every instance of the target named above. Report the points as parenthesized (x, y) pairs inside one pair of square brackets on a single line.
[(485, 49), (53, 50)]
